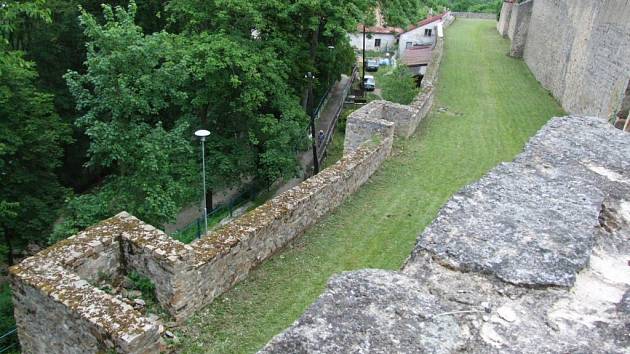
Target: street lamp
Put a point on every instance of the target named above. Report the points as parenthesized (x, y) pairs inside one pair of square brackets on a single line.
[(202, 134)]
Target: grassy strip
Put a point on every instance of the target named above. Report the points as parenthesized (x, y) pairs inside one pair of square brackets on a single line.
[(494, 106)]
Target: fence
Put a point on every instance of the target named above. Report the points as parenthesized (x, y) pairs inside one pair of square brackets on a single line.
[(195, 229), (9, 341), (330, 132)]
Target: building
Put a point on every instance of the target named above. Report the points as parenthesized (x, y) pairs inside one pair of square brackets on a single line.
[(378, 38), (422, 33)]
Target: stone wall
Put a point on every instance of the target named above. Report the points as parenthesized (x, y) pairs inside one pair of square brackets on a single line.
[(52, 287), (475, 15), (519, 26), (577, 49), (58, 311), (504, 18)]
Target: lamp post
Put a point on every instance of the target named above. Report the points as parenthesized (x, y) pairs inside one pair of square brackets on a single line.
[(202, 134)]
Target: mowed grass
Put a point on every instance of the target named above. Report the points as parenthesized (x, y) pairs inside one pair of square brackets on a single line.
[(494, 106)]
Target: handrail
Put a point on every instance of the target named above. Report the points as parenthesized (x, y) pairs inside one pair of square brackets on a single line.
[(330, 132)]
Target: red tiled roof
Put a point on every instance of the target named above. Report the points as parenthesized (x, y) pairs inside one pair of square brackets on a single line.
[(425, 22), (379, 29), (417, 55)]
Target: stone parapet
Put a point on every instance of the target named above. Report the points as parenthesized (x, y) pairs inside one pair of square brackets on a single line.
[(519, 26)]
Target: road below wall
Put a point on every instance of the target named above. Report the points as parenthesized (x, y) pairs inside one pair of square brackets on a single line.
[(487, 106)]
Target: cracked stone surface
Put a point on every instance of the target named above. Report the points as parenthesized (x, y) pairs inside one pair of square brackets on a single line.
[(409, 320), (532, 258)]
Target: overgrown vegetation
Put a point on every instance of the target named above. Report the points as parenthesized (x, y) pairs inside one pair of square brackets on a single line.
[(494, 105), (396, 84), (335, 148), (403, 13)]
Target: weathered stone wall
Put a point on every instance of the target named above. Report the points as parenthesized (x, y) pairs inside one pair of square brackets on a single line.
[(504, 18), (365, 123), (368, 120), (52, 288), (433, 69), (533, 258), (475, 15), (226, 256), (578, 49), (519, 26), (58, 311)]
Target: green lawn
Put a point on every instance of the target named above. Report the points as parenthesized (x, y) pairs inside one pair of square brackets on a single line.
[(494, 106)]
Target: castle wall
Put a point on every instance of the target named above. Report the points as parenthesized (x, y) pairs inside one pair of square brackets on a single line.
[(579, 50), (504, 18)]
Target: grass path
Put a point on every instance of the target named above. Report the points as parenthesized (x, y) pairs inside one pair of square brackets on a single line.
[(494, 106)]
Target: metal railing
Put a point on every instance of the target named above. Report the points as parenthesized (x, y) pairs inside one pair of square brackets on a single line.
[(9, 340), (330, 132), (194, 229)]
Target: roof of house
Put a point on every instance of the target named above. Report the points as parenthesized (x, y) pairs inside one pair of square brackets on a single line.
[(380, 29), (417, 55), (425, 22)]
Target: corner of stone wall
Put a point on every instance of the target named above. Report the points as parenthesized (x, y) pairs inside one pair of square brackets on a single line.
[(58, 311), (366, 123)]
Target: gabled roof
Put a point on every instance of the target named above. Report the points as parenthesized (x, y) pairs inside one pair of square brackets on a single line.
[(379, 29), (425, 22), (417, 55)]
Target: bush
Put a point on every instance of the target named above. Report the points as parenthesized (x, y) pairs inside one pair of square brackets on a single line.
[(399, 86)]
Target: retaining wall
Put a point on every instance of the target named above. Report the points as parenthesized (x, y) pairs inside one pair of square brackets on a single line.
[(57, 310), (577, 49)]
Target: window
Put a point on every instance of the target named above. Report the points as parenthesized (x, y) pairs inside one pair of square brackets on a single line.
[(427, 32), (408, 45), (377, 42)]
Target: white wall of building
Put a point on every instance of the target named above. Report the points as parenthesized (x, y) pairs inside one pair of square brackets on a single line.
[(417, 36), (388, 41)]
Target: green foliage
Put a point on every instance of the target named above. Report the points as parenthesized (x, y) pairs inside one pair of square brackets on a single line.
[(144, 285), (6, 308), (403, 13), (31, 139), (397, 85)]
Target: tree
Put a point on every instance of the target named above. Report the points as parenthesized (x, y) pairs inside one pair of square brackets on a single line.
[(31, 138), (130, 96), (141, 94)]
